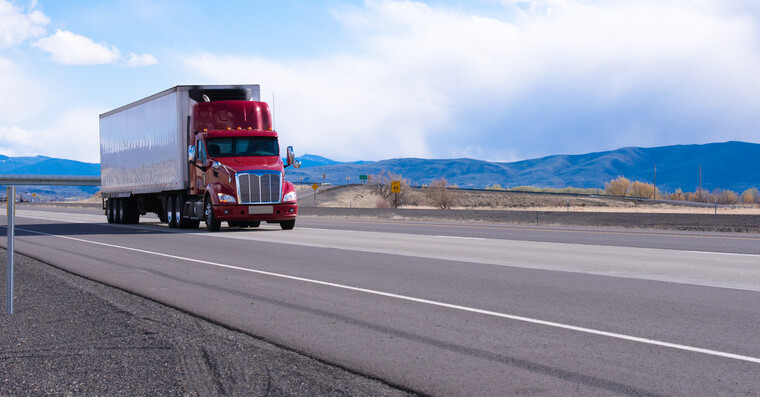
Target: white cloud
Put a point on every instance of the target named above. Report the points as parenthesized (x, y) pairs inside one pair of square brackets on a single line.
[(21, 95), (73, 135), (16, 26), (72, 49), (141, 60), (553, 76)]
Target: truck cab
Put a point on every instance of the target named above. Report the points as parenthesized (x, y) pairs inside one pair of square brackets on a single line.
[(236, 171)]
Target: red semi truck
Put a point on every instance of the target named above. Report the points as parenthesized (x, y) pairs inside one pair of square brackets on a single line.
[(196, 153)]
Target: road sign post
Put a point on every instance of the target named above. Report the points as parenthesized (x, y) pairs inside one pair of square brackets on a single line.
[(24, 180), (10, 206), (396, 189), (315, 187)]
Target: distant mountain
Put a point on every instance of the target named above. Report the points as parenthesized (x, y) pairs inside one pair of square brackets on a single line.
[(729, 165), (312, 160)]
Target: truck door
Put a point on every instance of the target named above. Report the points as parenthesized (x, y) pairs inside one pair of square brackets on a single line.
[(199, 175)]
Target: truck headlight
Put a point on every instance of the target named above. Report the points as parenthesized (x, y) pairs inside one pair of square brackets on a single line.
[(226, 198), (289, 197)]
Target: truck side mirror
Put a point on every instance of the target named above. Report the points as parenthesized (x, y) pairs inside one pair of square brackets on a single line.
[(291, 157), (191, 154)]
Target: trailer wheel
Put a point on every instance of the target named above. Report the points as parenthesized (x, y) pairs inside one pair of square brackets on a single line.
[(288, 225), (117, 210), (169, 208), (130, 213), (253, 223), (212, 224), (109, 210), (179, 213)]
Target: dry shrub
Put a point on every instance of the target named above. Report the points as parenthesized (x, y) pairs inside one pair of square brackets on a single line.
[(750, 196), (677, 195), (382, 203), (381, 185), (618, 187), (440, 194), (495, 187), (642, 189), (702, 197), (727, 197)]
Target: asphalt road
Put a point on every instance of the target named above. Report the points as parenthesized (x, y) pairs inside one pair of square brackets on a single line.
[(451, 309)]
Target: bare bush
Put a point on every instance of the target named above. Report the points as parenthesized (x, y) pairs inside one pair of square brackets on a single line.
[(381, 185), (701, 197), (495, 187), (750, 196), (727, 197), (382, 203), (440, 194), (642, 189), (618, 187), (677, 195)]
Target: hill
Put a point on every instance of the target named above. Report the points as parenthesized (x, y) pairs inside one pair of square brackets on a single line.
[(728, 165)]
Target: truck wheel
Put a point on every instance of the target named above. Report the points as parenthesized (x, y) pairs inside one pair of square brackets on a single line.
[(170, 219), (288, 225), (212, 224), (179, 213), (131, 213), (117, 210), (253, 223), (109, 210), (124, 211)]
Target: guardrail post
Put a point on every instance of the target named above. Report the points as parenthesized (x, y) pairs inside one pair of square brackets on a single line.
[(10, 205)]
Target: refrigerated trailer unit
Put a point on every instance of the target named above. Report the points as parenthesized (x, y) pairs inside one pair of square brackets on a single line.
[(196, 153)]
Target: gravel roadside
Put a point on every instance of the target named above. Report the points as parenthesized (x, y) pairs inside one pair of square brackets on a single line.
[(73, 336)]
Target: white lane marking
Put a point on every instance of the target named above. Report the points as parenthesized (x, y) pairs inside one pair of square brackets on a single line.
[(430, 302), (461, 237), (723, 253)]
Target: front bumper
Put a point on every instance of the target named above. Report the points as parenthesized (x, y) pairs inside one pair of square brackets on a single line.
[(243, 212)]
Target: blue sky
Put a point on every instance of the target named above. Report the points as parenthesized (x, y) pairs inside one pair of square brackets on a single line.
[(497, 80)]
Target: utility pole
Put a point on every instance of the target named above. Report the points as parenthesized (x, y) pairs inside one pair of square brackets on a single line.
[(700, 181)]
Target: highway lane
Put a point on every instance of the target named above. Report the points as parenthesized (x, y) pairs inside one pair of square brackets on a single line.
[(412, 338), (746, 243)]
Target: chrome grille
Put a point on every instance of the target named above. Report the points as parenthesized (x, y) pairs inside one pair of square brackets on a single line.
[(260, 187)]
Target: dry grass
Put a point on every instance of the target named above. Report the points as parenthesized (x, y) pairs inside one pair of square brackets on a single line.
[(356, 196)]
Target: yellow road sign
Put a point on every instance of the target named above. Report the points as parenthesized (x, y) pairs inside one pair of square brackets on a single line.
[(314, 186), (395, 186)]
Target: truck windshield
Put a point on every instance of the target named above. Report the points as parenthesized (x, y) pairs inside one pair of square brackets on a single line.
[(243, 146)]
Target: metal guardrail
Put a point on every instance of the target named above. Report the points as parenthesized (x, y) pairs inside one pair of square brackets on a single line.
[(26, 180), (49, 180)]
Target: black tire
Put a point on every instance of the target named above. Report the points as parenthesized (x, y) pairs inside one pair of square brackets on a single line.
[(212, 224), (235, 224), (169, 210), (117, 210), (254, 223), (179, 213), (124, 211), (288, 225), (129, 213), (109, 210)]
